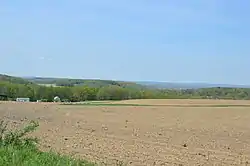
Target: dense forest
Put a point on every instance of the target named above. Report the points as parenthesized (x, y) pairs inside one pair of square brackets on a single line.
[(14, 87)]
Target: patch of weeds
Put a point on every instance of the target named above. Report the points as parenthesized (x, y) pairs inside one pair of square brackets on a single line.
[(16, 148), (17, 138)]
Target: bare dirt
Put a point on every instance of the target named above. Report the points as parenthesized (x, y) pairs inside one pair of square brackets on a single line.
[(141, 135)]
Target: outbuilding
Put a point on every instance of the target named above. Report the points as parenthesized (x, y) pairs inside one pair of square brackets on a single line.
[(57, 99), (23, 99)]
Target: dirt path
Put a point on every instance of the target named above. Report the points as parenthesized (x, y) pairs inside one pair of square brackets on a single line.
[(141, 135)]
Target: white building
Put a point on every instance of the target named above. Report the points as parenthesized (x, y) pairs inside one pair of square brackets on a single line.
[(23, 99), (57, 99)]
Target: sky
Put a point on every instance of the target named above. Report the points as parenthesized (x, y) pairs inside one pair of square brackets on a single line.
[(134, 40)]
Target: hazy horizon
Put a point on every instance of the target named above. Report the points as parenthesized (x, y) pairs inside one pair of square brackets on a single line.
[(135, 81), (164, 41)]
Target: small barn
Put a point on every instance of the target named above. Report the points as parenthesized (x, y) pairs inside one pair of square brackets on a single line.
[(57, 99), (23, 99)]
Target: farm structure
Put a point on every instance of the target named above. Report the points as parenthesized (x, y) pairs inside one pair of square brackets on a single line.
[(23, 99)]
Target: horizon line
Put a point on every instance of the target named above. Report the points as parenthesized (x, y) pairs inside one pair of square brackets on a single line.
[(145, 81)]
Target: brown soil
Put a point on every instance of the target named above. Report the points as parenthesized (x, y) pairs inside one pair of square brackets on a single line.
[(141, 135)]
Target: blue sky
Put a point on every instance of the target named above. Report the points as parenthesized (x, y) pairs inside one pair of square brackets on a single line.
[(138, 40)]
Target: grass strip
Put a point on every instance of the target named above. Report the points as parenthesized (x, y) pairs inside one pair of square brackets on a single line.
[(149, 105), (27, 156)]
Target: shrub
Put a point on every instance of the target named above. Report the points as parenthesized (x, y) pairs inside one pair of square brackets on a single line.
[(18, 149), (18, 137)]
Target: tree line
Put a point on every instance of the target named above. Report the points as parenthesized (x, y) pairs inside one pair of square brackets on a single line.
[(114, 92)]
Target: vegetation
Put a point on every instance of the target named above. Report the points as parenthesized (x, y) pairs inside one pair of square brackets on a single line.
[(18, 149), (82, 82), (158, 105), (12, 79), (108, 90)]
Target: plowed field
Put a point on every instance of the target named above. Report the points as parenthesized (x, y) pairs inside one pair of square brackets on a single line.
[(142, 135)]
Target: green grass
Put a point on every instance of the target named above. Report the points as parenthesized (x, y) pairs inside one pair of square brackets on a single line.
[(16, 149), (104, 104), (25, 156), (144, 105)]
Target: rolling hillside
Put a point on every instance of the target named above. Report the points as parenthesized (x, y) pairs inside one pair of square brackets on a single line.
[(82, 82), (15, 80), (87, 89), (68, 82), (100, 83), (170, 85)]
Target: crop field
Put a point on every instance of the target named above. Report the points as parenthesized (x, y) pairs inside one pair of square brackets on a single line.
[(142, 132)]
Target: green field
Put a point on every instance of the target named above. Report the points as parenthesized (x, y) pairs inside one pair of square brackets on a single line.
[(101, 103)]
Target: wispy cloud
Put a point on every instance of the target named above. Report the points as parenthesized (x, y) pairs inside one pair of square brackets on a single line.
[(44, 58), (41, 58)]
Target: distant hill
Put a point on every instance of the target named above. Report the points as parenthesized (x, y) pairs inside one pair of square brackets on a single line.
[(82, 82), (15, 80), (169, 85), (100, 83)]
